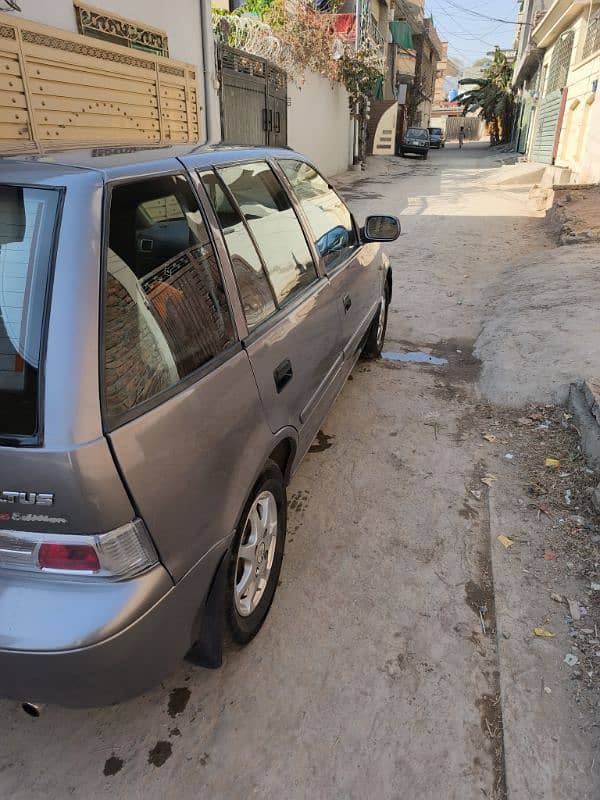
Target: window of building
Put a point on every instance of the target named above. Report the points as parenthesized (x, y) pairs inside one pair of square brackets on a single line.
[(255, 291), (560, 62), (166, 312), (109, 27), (592, 36), (328, 216), (274, 225)]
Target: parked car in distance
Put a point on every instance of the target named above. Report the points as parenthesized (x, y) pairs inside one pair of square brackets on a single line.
[(175, 324), (437, 138), (415, 141)]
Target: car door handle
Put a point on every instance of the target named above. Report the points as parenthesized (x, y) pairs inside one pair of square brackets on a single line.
[(347, 301), (283, 374)]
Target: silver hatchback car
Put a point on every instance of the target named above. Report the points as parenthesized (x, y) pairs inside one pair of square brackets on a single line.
[(175, 324)]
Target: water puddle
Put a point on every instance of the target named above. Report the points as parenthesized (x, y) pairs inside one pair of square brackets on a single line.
[(414, 358)]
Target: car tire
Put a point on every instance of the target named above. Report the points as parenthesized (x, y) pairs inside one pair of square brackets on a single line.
[(375, 338), (256, 556)]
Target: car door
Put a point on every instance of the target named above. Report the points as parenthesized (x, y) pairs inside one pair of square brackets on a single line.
[(180, 403), (355, 270), (292, 315)]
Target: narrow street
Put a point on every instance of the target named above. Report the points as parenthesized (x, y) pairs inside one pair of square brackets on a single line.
[(377, 674)]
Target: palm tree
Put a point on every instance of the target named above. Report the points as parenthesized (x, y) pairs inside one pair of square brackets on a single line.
[(492, 94)]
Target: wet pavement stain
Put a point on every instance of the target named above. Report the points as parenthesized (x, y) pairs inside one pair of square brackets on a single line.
[(416, 357), (113, 765), (160, 753), (174, 732), (323, 442), (204, 759), (178, 700)]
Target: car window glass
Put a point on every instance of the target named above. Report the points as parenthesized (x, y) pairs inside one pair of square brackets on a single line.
[(27, 230), (327, 214), (166, 312), (416, 133), (275, 226), (255, 292)]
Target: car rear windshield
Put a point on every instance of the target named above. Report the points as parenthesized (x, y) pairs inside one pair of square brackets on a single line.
[(435, 131), (27, 225), (416, 133)]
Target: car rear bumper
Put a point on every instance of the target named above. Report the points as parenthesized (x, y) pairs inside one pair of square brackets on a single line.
[(153, 635)]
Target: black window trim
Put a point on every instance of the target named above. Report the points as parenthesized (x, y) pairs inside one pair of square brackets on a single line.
[(37, 439), (236, 207), (110, 422), (308, 230)]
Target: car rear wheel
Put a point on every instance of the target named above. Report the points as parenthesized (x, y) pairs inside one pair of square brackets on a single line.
[(256, 556)]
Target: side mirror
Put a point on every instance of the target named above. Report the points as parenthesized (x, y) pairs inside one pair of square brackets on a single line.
[(381, 228)]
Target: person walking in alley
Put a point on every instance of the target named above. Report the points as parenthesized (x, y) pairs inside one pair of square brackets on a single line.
[(461, 137)]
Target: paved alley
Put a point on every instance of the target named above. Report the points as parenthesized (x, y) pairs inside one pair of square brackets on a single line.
[(377, 674)]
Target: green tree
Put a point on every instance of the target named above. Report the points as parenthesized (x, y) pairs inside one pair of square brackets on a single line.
[(492, 94)]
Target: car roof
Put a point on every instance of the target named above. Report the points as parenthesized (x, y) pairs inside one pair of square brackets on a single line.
[(115, 162)]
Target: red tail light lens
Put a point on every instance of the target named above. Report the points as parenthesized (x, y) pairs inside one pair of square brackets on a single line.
[(76, 557)]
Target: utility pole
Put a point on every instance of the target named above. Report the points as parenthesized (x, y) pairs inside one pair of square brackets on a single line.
[(357, 42)]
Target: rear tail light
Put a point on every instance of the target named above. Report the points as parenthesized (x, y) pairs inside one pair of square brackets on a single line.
[(69, 557), (121, 553)]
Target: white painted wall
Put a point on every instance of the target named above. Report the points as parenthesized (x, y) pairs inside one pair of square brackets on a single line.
[(319, 124), (579, 145)]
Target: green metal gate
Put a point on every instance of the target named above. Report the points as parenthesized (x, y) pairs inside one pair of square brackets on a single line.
[(523, 124), (549, 112)]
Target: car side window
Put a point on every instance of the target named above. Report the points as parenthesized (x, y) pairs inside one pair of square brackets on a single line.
[(253, 285), (272, 221), (166, 311), (328, 215)]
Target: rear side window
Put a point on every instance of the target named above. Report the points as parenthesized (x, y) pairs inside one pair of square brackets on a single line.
[(253, 285), (327, 213), (274, 224), (27, 229), (166, 312)]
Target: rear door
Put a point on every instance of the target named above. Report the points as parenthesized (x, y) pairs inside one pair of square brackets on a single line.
[(180, 400), (354, 270), (291, 311)]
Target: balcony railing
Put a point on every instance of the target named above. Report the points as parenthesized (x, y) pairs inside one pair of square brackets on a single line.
[(370, 30)]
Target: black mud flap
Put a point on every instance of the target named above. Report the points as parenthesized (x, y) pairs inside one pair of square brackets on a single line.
[(208, 649)]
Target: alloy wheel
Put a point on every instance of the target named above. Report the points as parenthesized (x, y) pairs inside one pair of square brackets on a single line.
[(256, 554), (381, 324)]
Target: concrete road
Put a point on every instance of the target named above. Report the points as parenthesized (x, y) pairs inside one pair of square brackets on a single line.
[(375, 674)]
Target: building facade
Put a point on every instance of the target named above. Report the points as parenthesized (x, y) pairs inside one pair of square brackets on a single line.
[(129, 72), (417, 67), (556, 76)]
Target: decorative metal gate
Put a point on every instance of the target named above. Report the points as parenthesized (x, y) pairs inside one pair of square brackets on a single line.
[(253, 99), (553, 103)]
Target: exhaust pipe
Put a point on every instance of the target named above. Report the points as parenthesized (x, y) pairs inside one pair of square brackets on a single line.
[(33, 709)]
